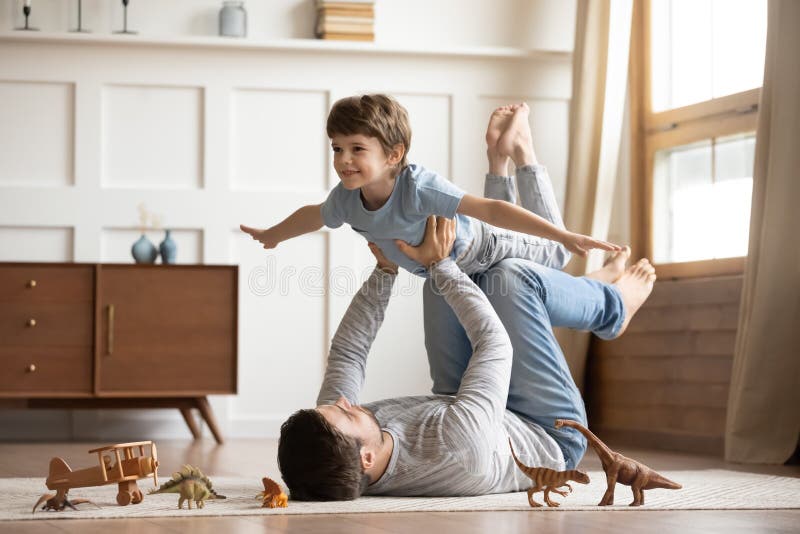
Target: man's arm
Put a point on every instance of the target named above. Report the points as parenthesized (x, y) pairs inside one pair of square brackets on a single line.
[(303, 221), (481, 399), (347, 360)]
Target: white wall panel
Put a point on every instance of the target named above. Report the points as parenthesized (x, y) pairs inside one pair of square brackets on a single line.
[(36, 133), (430, 131), (152, 137), (278, 140), (283, 337), (116, 243), (28, 243)]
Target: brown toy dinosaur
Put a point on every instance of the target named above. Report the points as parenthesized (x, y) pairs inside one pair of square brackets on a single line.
[(548, 480), (621, 469)]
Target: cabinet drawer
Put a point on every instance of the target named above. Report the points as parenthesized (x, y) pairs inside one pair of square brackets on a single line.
[(39, 282), (45, 370), (65, 324)]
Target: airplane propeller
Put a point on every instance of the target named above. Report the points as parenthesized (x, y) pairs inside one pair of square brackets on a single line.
[(155, 463)]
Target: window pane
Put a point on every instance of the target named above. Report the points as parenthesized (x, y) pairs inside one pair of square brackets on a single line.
[(704, 49), (701, 200)]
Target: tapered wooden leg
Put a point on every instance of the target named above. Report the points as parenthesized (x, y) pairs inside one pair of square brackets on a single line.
[(190, 422), (208, 415)]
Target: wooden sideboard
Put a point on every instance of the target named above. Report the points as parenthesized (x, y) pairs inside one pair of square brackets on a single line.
[(81, 336)]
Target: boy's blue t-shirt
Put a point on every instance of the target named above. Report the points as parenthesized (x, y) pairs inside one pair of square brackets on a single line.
[(417, 193)]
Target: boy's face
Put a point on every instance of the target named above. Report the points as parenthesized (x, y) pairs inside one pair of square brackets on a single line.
[(359, 160)]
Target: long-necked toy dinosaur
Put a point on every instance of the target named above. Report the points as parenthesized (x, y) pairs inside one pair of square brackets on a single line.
[(548, 480), (621, 469)]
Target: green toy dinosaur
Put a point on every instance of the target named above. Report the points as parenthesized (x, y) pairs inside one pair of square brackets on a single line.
[(192, 485)]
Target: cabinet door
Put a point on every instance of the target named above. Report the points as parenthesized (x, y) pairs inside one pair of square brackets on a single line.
[(166, 330)]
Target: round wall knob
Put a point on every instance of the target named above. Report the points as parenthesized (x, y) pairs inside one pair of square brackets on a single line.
[(32, 283), (31, 322), (31, 368)]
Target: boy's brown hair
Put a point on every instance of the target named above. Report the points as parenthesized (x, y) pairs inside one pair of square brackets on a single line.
[(378, 116)]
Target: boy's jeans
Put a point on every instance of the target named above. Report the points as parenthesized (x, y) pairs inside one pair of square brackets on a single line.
[(530, 300), (492, 244)]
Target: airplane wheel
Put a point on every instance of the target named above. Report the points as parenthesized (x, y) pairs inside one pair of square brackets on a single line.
[(124, 498), (137, 497)]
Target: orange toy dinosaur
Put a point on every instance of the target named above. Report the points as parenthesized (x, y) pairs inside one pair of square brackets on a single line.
[(621, 469), (548, 480), (272, 496)]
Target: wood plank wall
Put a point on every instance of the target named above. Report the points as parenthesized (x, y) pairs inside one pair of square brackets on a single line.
[(664, 384)]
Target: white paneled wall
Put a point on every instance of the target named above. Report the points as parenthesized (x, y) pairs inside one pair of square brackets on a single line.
[(211, 136)]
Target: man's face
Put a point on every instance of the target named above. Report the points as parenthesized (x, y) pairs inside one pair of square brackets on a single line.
[(353, 421)]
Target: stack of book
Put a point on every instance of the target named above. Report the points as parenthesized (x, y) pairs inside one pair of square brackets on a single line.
[(352, 20)]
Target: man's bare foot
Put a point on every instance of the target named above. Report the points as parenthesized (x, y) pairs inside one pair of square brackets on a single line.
[(613, 267), (516, 141), (498, 122), (635, 286)]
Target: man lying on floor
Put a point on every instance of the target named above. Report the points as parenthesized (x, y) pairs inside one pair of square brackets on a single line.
[(444, 445)]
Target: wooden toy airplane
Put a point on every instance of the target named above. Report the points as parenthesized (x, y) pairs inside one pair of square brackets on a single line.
[(124, 469)]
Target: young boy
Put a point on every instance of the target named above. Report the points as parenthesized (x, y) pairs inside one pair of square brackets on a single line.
[(388, 201)]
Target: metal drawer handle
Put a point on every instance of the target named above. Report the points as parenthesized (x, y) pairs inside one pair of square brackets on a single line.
[(110, 312), (31, 322), (31, 368), (32, 283)]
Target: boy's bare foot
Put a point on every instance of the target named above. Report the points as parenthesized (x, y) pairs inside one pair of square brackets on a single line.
[(516, 141), (635, 286), (498, 122), (613, 267)]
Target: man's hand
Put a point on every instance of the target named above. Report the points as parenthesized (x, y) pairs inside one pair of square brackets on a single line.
[(266, 237), (384, 264), (440, 233), (580, 244)]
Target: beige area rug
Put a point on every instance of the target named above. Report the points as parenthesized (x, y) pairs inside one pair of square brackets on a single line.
[(702, 490)]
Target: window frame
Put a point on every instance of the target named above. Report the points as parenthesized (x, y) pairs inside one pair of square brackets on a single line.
[(652, 131)]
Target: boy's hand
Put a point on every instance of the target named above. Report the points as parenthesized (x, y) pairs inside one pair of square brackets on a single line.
[(581, 244), (384, 264), (266, 236), (440, 234)]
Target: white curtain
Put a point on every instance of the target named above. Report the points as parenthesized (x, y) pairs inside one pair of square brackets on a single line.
[(599, 82), (764, 404)]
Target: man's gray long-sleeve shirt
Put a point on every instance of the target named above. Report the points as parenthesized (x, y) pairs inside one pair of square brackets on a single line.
[(443, 445)]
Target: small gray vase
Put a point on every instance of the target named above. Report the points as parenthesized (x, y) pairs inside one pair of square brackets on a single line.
[(169, 249), (144, 251)]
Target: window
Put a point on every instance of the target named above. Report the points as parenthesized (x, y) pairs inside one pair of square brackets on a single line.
[(696, 72)]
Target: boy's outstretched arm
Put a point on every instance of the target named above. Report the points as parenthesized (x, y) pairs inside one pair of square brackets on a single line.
[(303, 221), (512, 217)]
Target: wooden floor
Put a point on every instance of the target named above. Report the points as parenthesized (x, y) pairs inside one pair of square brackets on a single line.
[(256, 458)]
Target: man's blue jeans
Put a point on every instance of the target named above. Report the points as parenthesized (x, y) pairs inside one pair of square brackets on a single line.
[(530, 300)]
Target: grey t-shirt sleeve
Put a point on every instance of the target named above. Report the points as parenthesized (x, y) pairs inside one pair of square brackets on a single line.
[(333, 213), (347, 360), (434, 195), (476, 415)]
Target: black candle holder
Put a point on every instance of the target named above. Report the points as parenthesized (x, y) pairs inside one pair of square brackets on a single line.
[(26, 10), (125, 19), (80, 28)]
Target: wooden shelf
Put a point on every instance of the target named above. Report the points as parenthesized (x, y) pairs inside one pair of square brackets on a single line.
[(282, 45)]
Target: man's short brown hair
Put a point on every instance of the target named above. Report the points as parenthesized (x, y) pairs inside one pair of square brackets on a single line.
[(317, 461), (379, 116)]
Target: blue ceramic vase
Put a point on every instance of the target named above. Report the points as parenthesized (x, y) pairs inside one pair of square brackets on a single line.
[(144, 251), (168, 248)]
